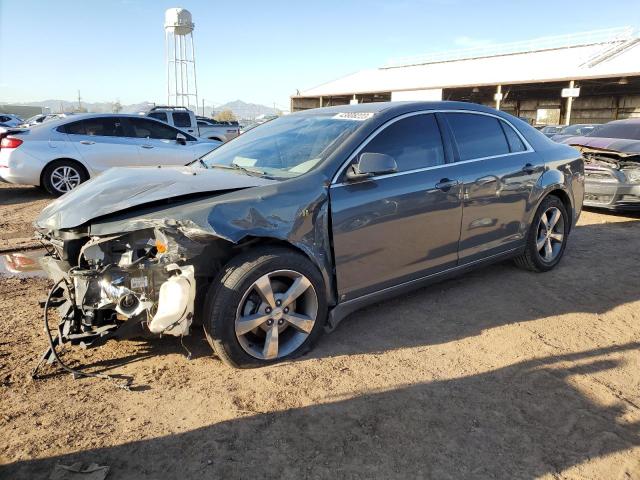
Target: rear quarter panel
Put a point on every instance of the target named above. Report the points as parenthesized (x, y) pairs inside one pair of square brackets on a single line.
[(564, 170)]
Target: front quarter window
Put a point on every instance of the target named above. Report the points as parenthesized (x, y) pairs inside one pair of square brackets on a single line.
[(286, 147)]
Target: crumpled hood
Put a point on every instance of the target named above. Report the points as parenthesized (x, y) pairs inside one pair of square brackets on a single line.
[(122, 188), (616, 144)]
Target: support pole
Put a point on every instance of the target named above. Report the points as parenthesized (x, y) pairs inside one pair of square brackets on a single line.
[(195, 79), (498, 96), (567, 116)]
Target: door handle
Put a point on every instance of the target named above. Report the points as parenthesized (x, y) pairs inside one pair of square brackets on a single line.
[(528, 169), (445, 184), (87, 142), (147, 146)]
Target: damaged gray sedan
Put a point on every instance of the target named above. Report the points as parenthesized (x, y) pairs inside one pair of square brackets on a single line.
[(279, 234)]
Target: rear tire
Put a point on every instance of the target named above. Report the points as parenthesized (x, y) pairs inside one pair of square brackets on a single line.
[(242, 320), (62, 176), (546, 238)]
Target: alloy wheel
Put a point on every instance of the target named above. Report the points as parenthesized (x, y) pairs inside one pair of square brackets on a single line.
[(276, 314), (65, 178), (551, 232)]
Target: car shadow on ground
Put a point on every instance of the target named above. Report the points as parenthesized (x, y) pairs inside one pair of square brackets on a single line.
[(15, 195), (597, 274), (518, 422)]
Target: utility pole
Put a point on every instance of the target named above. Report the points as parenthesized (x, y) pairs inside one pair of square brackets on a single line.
[(203, 108), (79, 102)]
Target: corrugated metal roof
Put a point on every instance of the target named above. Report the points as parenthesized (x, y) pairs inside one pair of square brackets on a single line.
[(608, 59)]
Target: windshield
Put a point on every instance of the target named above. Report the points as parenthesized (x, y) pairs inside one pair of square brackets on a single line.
[(285, 147), (33, 119), (630, 130)]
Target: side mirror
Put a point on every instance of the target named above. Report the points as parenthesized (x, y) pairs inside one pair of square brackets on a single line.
[(181, 139), (370, 164)]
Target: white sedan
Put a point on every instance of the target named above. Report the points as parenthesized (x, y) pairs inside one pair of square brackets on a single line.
[(60, 154)]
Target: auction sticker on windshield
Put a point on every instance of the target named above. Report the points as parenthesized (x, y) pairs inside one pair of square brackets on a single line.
[(360, 116)]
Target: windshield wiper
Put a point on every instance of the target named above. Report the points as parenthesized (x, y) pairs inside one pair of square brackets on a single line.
[(203, 163), (235, 166)]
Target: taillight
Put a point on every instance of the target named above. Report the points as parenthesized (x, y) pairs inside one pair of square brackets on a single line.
[(10, 142)]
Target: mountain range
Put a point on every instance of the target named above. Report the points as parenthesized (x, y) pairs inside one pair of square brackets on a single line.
[(241, 109)]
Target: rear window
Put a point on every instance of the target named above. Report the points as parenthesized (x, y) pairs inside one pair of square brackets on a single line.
[(162, 116), (477, 136), (181, 119)]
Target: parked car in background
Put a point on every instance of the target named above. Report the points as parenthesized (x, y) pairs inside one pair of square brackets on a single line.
[(43, 117), (185, 119), (10, 120), (281, 233), (550, 130), (612, 164), (574, 130), (61, 154)]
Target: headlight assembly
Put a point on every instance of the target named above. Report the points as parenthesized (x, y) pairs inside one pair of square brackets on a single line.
[(632, 174)]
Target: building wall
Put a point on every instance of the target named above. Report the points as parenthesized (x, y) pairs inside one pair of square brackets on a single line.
[(23, 111), (600, 100), (417, 95)]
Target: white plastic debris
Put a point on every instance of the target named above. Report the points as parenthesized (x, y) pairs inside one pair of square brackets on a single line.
[(175, 303)]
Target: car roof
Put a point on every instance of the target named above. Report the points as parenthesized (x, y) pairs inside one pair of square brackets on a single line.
[(399, 107), (625, 120), (83, 116)]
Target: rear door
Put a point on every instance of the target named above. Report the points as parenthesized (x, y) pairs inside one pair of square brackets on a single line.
[(156, 142), (101, 143), (499, 174), (397, 227)]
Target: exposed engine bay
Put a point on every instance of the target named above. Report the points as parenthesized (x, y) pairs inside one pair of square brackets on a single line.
[(626, 162), (132, 284), (612, 178)]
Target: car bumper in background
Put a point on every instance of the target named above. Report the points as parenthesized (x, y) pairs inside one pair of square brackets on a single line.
[(19, 168), (612, 195)]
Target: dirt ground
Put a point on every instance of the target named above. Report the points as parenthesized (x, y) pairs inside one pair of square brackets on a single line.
[(19, 206), (498, 374)]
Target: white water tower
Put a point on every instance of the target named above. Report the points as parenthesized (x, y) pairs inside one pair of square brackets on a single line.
[(182, 88)]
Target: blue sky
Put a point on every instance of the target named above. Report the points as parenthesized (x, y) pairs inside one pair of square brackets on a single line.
[(258, 51)]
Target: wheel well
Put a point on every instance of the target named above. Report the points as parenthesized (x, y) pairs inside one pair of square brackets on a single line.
[(80, 165), (252, 242), (216, 138), (564, 198)]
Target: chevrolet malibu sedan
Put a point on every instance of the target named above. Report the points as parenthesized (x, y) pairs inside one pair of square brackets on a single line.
[(276, 236), (61, 154)]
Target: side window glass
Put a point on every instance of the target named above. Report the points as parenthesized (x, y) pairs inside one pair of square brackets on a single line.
[(414, 142), (181, 119), (515, 142), (477, 136), (73, 128), (103, 126), (162, 116), (143, 128)]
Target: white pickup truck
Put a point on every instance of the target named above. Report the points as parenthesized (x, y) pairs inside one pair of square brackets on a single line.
[(185, 119)]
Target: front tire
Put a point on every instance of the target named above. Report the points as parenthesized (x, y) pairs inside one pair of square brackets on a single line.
[(266, 306), (62, 176), (547, 237)]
